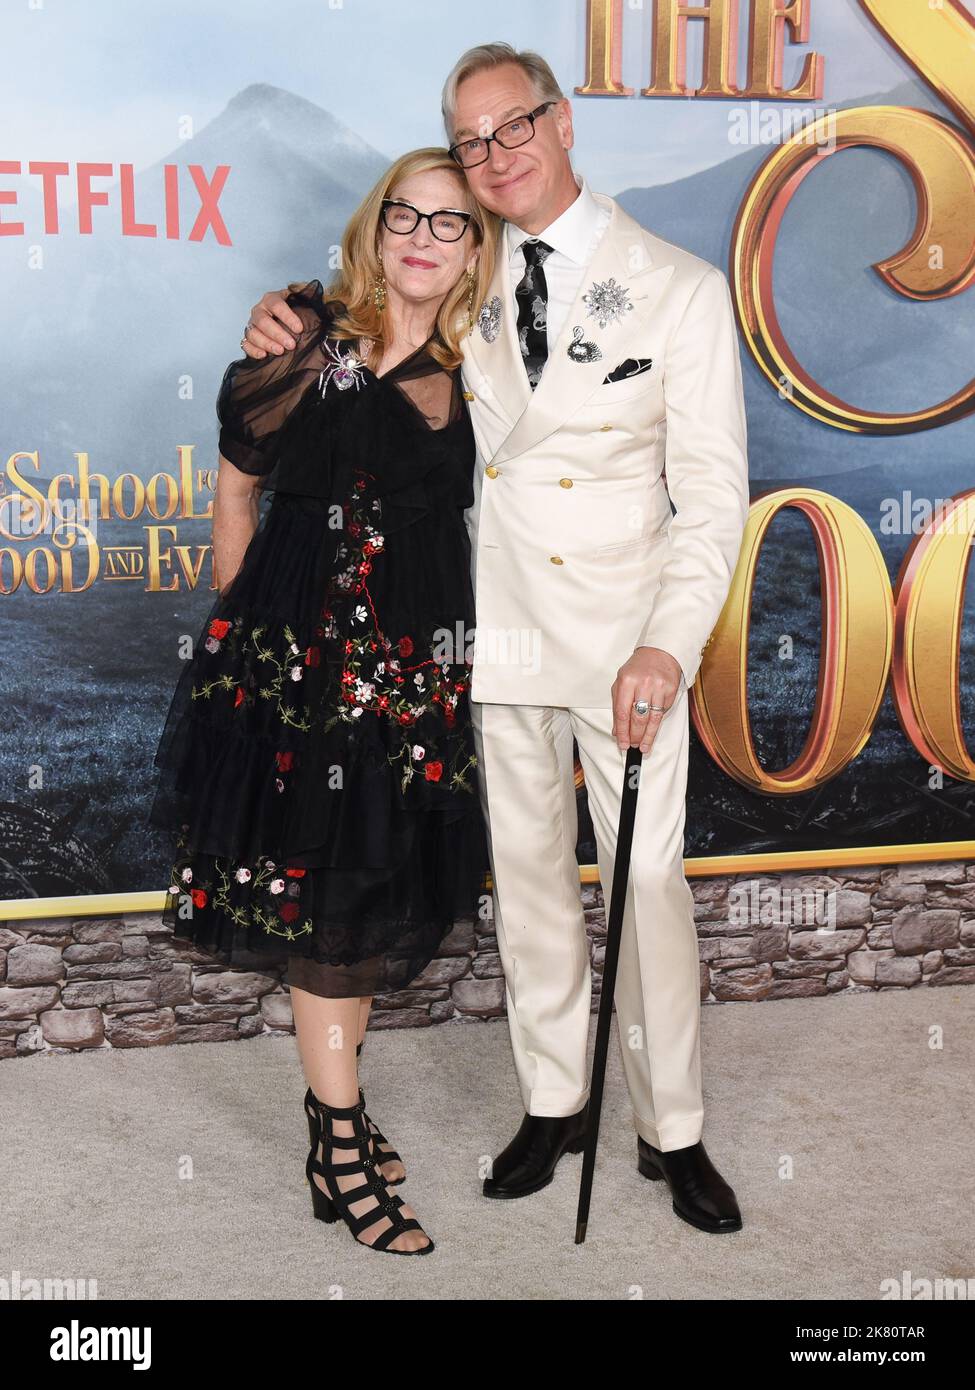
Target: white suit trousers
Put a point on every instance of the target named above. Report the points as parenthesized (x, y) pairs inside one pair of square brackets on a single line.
[(529, 800)]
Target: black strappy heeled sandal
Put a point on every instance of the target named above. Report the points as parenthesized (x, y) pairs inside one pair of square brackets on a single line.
[(387, 1154), (330, 1202)]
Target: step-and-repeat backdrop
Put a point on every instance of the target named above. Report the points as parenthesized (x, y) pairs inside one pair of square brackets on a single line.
[(163, 164)]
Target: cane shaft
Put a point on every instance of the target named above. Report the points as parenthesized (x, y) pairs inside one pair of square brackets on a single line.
[(614, 931)]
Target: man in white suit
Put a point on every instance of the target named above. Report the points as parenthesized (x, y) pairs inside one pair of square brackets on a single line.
[(602, 353)]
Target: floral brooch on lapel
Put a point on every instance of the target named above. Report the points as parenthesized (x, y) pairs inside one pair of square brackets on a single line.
[(607, 302), (489, 319), (582, 351)]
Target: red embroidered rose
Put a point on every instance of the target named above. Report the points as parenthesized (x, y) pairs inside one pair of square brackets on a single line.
[(285, 761), (239, 697), (406, 646), (288, 912), (433, 772), (219, 627), (199, 897), (295, 873), (313, 656)]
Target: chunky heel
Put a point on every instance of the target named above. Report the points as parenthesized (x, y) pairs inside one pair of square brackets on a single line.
[(330, 1200), (322, 1205)]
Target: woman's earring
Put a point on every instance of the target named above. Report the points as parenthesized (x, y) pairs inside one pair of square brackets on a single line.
[(379, 294), (471, 281)]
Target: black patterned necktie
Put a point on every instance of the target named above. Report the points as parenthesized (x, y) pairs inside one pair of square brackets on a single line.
[(531, 293)]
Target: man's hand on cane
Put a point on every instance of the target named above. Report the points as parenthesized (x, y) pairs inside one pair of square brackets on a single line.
[(650, 678), (270, 326)]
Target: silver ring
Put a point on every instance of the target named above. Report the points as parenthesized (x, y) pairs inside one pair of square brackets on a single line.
[(643, 707)]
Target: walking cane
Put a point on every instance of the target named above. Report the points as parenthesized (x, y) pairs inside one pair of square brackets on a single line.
[(614, 931)]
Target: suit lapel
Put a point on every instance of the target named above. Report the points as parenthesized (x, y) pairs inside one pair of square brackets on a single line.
[(567, 381), (499, 360)]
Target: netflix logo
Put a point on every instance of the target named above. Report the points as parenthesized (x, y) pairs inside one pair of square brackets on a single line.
[(189, 211)]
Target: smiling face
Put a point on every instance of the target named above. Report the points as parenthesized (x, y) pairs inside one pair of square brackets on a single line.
[(418, 266), (529, 185)]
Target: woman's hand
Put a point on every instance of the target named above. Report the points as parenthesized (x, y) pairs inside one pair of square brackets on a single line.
[(270, 326)]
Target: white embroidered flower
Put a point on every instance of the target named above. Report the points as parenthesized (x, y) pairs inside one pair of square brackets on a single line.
[(212, 645), (364, 690), (187, 875), (393, 664), (294, 649), (418, 751), (243, 875), (418, 680), (360, 613), (174, 888), (356, 711), (276, 885), (279, 784), (296, 673), (380, 668)]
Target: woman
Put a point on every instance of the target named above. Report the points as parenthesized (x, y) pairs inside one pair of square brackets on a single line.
[(317, 762)]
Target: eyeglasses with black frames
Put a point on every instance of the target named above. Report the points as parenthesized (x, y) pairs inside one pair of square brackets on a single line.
[(446, 224), (509, 136)]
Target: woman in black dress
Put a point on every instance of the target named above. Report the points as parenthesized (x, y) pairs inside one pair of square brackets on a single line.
[(317, 766)]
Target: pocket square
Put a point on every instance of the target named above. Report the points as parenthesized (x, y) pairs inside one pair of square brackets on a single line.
[(633, 366)]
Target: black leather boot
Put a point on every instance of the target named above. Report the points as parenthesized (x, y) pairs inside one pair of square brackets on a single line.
[(528, 1163), (701, 1195)]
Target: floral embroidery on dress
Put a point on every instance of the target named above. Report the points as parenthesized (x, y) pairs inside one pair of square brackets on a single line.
[(375, 676), (270, 893)]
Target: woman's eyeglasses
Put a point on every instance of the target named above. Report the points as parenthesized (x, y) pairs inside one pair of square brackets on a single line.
[(447, 224), (509, 136)]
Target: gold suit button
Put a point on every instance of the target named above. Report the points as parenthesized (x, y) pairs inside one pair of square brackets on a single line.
[(604, 428), (491, 471), (556, 559), (469, 396), (565, 482)]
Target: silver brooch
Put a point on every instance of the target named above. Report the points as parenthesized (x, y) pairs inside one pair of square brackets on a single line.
[(582, 351), (489, 319), (607, 302), (344, 368)]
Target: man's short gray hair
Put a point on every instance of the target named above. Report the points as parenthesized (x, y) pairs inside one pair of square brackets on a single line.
[(495, 55)]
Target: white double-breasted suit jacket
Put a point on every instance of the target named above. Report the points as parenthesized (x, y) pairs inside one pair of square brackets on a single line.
[(576, 553)]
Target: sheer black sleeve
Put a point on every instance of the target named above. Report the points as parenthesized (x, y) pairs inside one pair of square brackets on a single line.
[(257, 396)]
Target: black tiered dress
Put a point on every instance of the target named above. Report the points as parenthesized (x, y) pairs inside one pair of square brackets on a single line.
[(316, 766)]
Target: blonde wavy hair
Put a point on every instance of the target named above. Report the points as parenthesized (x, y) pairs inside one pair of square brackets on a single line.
[(355, 284)]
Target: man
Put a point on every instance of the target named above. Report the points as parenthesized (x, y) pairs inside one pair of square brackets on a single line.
[(601, 353)]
